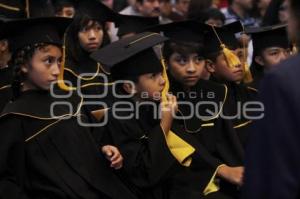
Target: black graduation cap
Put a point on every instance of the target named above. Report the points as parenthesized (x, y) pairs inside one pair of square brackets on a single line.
[(134, 24), (36, 30), (222, 35), (94, 9), (269, 36), (12, 9), (186, 31), (39, 8), (132, 56), (61, 3)]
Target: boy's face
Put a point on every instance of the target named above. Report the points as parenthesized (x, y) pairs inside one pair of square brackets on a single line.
[(150, 86), (149, 8), (186, 69), (66, 11), (221, 71), (272, 56)]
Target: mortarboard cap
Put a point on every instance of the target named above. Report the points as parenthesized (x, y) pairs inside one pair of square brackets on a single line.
[(222, 35), (61, 3), (134, 24), (132, 56), (94, 9), (36, 30), (269, 36), (12, 9), (186, 31)]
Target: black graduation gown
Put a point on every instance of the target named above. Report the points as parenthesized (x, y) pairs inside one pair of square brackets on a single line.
[(217, 141), (238, 96), (73, 69), (46, 157), (149, 167), (272, 157), (95, 88), (257, 72), (5, 86)]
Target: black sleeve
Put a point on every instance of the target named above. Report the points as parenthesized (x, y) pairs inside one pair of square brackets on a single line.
[(272, 157), (146, 156), (12, 161)]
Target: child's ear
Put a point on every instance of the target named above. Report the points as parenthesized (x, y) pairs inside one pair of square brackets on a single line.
[(210, 66), (24, 68), (129, 87), (259, 60), (3, 45)]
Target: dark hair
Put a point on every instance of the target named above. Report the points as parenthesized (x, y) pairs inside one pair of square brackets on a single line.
[(59, 5), (19, 59), (183, 48), (210, 13), (213, 56), (197, 8), (272, 13), (295, 12), (73, 49)]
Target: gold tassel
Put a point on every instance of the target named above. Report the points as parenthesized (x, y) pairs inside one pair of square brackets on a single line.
[(179, 148), (247, 76), (247, 73), (27, 9), (231, 59), (61, 82)]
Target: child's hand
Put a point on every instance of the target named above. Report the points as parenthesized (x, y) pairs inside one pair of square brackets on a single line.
[(113, 155), (170, 105), (168, 110), (232, 174)]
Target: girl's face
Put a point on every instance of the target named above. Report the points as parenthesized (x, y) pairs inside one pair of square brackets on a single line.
[(186, 69), (43, 68), (221, 71), (91, 36), (150, 86)]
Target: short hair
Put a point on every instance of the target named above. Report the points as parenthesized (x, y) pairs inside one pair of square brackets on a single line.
[(184, 48)]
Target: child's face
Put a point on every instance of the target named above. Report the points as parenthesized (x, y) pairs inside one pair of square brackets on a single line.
[(186, 69), (150, 86), (66, 11), (91, 36), (272, 56), (221, 71), (44, 68)]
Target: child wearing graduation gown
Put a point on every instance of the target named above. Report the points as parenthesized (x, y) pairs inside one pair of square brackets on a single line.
[(45, 153), (86, 34), (221, 151), (270, 47), (227, 66), (153, 165)]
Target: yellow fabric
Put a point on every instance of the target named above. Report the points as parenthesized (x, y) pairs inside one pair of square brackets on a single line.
[(212, 185), (231, 59), (179, 148)]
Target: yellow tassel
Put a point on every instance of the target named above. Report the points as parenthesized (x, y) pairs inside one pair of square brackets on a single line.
[(247, 76), (180, 149), (61, 83), (231, 59)]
